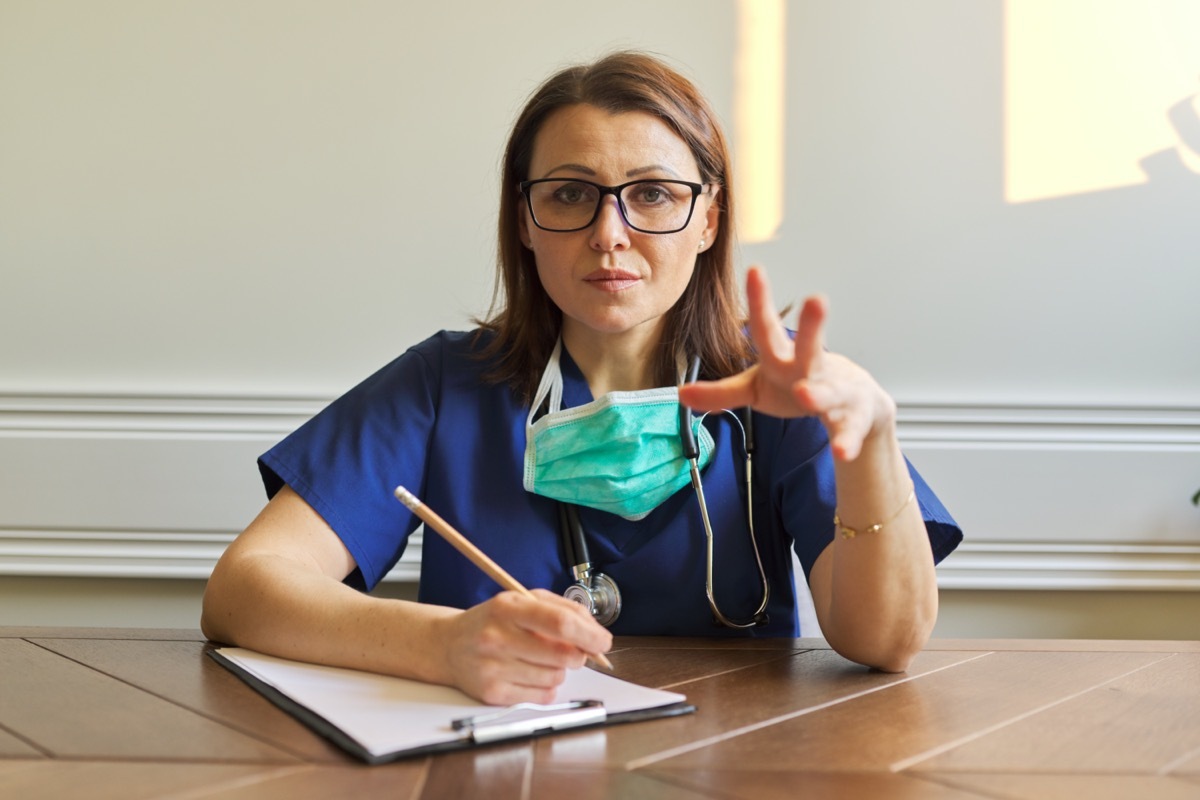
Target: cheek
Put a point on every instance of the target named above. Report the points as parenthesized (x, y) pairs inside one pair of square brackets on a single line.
[(551, 249), (676, 262), (549, 256), (553, 280)]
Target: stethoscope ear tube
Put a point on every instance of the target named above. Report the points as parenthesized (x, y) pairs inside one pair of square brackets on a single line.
[(746, 416), (691, 452), (595, 591), (564, 525), (579, 555), (687, 436)]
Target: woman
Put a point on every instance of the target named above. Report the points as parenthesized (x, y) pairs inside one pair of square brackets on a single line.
[(615, 259)]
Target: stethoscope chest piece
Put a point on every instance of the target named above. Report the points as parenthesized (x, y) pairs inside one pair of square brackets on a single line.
[(597, 593)]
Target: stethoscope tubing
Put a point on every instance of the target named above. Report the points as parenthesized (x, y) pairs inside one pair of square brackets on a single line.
[(758, 617), (575, 543)]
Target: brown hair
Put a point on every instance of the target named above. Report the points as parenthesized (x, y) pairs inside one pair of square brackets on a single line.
[(706, 320)]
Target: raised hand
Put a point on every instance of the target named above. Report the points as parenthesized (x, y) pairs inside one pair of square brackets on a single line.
[(797, 378)]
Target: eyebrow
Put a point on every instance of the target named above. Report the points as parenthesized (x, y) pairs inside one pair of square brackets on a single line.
[(633, 173)]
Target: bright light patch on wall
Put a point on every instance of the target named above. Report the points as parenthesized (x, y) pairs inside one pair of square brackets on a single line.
[(758, 118), (1099, 94)]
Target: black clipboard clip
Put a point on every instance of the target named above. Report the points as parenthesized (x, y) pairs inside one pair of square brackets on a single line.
[(531, 719)]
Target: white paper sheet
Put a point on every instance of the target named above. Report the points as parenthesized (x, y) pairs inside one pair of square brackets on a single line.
[(386, 715)]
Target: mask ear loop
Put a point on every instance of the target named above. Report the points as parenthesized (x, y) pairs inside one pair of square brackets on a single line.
[(691, 452), (549, 387)]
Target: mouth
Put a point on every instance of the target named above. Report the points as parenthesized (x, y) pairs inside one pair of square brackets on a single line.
[(611, 280)]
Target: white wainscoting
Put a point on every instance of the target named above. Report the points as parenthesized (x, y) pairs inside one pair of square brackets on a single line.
[(137, 486), (1050, 497), (1064, 497)]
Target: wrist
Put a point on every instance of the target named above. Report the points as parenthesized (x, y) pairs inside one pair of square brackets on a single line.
[(884, 424), (878, 475), (420, 639), (882, 440)]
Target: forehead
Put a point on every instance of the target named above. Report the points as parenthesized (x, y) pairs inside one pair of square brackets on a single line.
[(583, 138)]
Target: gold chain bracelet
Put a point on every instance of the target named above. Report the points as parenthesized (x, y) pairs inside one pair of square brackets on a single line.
[(849, 533)]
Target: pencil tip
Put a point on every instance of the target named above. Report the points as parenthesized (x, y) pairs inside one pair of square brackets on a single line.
[(601, 660)]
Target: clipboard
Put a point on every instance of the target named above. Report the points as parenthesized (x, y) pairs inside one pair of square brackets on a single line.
[(380, 718)]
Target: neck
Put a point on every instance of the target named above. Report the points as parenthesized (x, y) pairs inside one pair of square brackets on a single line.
[(614, 363)]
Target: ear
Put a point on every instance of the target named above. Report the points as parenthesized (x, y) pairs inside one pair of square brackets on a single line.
[(712, 219)]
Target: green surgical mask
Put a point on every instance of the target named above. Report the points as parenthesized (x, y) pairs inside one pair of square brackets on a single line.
[(619, 453)]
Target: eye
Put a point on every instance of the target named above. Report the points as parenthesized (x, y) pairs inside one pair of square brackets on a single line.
[(651, 194), (573, 193)]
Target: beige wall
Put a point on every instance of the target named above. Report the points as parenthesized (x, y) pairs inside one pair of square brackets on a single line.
[(214, 217)]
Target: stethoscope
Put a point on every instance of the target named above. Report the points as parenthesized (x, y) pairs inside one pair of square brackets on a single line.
[(599, 593)]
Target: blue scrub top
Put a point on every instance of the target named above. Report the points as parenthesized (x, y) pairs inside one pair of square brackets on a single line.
[(427, 421)]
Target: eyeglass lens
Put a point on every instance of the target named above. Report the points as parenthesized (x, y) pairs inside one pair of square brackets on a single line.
[(652, 206)]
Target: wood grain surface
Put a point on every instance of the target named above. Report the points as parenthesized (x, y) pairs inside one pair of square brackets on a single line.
[(134, 713)]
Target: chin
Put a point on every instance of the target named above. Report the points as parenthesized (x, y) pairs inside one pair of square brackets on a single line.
[(614, 327)]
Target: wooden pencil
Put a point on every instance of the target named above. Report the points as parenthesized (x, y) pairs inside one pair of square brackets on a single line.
[(476, 556)]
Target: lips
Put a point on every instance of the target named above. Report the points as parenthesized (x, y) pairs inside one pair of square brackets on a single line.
[(611, 280)]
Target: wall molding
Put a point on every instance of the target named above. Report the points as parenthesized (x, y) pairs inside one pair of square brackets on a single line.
[(82, 414), (1077, 566), (1040, 425), (99, 429), (943, 421), (170, 554), (190, 555)]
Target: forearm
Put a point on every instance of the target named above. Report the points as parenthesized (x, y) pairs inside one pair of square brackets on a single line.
[(881, 599), (283, 608), (875, 594), (278, 589)]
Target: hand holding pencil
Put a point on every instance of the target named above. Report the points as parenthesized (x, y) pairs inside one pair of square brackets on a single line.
[(474, 554)]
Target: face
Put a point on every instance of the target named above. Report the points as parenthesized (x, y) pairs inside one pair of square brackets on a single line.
[(609, 279)]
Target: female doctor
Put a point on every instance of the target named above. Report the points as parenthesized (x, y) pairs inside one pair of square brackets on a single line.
[(615, 274)]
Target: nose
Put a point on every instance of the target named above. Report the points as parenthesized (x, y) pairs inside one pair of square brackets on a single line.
[(609, 231)]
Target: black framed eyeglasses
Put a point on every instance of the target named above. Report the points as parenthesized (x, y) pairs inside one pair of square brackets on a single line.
[(563, 205)]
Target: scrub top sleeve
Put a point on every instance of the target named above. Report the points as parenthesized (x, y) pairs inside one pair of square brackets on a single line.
[(805, 497), (346, 461), (944, 533)]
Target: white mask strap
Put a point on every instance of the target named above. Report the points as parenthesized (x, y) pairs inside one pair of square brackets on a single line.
[(551, 383)]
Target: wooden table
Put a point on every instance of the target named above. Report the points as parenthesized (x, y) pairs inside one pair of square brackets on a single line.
[(144, 713)]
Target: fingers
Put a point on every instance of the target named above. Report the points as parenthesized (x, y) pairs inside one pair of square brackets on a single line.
[(798, 378), (732, 392), (847, 428), (514, 648), (785, 359), (548, 630), (849, 403), (810, 333), (766, 329), (763, 386), (502, 683), (567, 622)]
